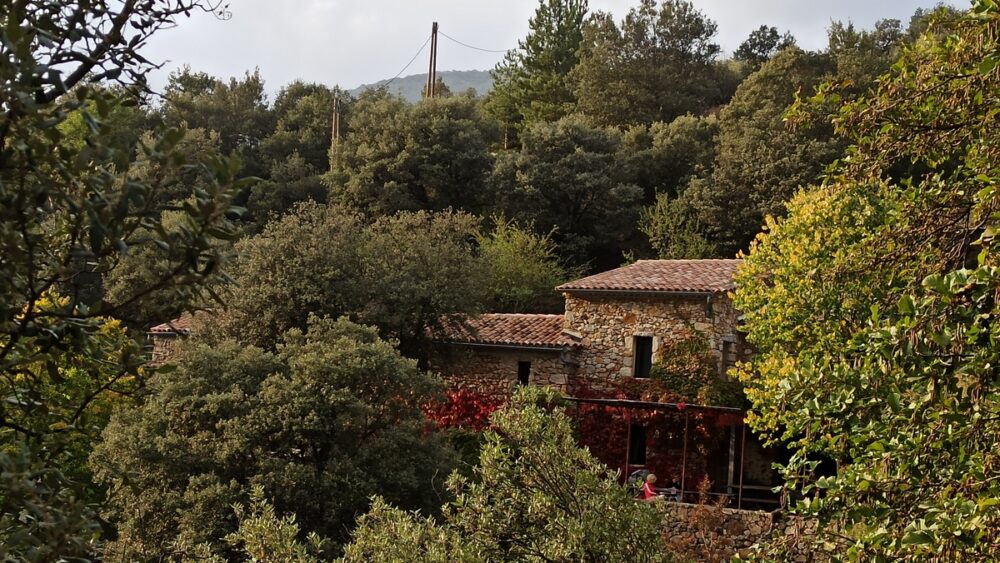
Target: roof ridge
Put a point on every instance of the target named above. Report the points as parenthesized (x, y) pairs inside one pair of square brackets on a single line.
[(713, 275), (525, 314)]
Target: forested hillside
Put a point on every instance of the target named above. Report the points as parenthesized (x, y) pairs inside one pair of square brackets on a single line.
[(679, 153)]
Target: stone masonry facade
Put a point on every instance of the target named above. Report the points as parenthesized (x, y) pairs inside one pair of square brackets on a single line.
[(608, 324), (660, 302), (494, 371)]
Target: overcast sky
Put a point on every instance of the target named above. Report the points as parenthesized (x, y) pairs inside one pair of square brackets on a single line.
[(353, 42)]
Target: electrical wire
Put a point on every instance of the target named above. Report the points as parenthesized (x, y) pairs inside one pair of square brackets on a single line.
[(420, 50), (472, 46)]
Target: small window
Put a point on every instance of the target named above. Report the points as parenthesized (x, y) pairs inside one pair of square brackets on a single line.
[(637, 445), (643, 360), (523, 373), (729, 358)]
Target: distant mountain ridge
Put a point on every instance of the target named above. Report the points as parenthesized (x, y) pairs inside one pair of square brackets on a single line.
[(412, 87)]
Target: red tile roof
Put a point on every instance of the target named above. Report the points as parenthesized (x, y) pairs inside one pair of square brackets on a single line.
[(696, 276), (506, 329), (180, 325)]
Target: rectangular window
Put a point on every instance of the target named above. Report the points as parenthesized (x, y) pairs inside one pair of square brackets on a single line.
[(637, 445), (643, 360), (523, 373), (728, 356)]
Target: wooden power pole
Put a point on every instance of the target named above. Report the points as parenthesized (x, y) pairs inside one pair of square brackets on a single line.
[(335, 131), (432, 71), (336, 119)]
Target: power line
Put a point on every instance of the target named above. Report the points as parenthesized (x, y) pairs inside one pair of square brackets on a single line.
[(473, 46), (420, 50)]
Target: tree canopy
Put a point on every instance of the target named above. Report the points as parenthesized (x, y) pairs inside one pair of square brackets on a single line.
[(328, 420), (657, 64), (72, 203), (566, 177), (872, 307), (400, 273), (532, 83), (407, 157)]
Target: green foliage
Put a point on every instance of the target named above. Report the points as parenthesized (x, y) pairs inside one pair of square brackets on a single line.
[(418, 267), (267, 538), (674, 231), (72, 203), (290, 181), (306, 262), (523, 269), (322, 424), (872, 306), (59, 402), (303, 114), (237, 111), (663, 157), (42, 517), (536, 496), (178, 182), (690, 370), (399, 156), (532, 83), (400, 273), (761, 161), (656, 65), (297, 151), (566, 177), (762, 44)]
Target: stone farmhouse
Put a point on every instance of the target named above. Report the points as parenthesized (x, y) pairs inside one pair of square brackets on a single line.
[(614, 326)]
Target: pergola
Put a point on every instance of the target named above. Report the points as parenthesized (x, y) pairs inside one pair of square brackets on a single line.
[(629, 405)]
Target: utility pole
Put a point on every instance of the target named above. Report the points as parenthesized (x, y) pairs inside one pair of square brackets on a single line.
[(432, 71), (335, 132)]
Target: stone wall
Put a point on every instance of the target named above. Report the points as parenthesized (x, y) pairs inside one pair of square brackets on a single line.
[(164, 347), (608, 323), (494, 370), (709, 533)]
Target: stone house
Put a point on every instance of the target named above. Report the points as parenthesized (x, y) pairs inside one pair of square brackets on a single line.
[(615, 325), (164, 337)]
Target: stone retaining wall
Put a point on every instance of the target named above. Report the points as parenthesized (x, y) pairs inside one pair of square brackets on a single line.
[(710, 533)]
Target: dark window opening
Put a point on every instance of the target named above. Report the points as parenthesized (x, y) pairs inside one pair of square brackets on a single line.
[(637, 445), (643, 361), (729, 357), (523, 373)]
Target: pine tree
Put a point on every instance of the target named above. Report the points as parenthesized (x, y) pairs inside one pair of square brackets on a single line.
[(532, 82)]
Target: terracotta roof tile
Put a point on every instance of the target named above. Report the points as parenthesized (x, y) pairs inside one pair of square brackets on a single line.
[(700, 276), (507, 329), (180, 325)]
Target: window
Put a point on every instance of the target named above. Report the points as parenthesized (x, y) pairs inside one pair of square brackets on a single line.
[(637, 445), (728, 356), (643, 361), (523, 373)]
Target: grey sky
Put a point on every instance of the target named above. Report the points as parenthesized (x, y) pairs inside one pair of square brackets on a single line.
[(351, 42)]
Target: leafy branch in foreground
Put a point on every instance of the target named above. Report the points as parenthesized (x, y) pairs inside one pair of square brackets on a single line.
[(874, 309), (71, 206)]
